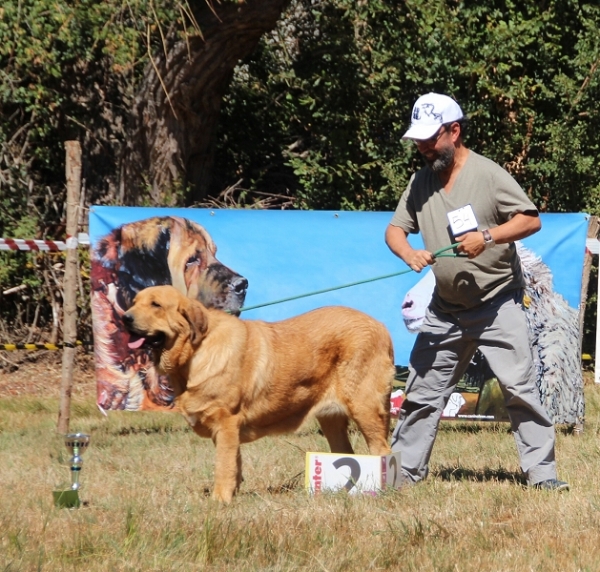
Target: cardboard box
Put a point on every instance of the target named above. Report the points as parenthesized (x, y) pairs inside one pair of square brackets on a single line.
[(355, 473)]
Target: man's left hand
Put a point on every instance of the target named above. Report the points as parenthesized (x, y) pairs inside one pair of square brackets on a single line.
[(472, 244)]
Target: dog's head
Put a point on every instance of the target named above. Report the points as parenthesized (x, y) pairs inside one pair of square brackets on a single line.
[(166, 250), (416, 301), (165, 321)]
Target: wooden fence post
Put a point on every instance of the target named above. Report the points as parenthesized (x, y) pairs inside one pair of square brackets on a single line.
[(593, 228), (73, 175)]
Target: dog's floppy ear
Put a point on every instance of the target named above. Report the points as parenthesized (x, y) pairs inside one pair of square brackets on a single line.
[(196, 316)]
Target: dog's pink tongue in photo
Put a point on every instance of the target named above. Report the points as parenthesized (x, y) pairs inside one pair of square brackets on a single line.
[(135, 341)]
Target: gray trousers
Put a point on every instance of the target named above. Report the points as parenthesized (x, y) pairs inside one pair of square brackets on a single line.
[(443, 349)]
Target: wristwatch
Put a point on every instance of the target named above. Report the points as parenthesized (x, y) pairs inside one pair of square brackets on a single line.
[(487, 238)]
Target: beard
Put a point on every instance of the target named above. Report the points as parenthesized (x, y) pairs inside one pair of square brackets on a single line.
[(444, 159)]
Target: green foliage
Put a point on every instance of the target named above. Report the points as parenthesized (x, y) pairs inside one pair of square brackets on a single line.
[(68, 70), (330, 95), (17, 266), (314, 117)]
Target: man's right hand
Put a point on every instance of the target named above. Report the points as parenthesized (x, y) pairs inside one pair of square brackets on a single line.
[(419, 259), (396, 239)]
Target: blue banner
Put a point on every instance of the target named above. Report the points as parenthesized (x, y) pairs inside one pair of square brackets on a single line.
[(293, 254)]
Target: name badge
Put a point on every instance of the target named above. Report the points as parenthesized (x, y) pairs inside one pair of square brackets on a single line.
[(462, 220)]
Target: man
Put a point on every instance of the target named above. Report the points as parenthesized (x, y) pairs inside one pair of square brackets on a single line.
[(462, 197)]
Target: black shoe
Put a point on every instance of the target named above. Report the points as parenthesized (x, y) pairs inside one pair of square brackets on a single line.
[(551, 485)]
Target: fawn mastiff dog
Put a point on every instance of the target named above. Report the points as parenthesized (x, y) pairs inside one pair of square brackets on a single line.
[(238, 380)]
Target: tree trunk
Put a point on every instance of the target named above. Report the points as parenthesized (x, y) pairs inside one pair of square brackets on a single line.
[(176, 112)]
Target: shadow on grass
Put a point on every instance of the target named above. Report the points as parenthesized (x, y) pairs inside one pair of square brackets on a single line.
[(460, 474), (447, 426), (292, 484)]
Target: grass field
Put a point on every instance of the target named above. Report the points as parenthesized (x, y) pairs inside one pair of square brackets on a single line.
[(146, 482)]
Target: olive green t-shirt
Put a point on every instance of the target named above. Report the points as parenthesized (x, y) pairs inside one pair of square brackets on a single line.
[(495, 198)]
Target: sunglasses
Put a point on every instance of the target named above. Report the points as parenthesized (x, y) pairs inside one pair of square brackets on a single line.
[(432, 140)]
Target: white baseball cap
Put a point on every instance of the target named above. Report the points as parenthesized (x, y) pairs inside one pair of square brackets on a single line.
[(429, 113)]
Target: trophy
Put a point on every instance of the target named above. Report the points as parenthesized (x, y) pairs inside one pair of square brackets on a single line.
[(76, 444)]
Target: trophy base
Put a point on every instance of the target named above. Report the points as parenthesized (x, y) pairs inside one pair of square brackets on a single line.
[(66, 499)]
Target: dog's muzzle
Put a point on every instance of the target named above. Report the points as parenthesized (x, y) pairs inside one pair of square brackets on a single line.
[(230, 291)]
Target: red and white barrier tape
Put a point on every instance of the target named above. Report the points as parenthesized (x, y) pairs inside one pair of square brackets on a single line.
[(44, 245), (592, 244)]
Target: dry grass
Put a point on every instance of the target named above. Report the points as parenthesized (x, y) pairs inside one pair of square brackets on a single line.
[(146, 478)]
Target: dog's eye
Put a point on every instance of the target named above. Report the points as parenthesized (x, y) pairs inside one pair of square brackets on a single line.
[(193, 261), (155, 304)]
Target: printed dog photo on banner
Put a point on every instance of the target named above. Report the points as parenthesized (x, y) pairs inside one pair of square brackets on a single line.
[(150, 252), (273, 265), (554, 337)]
